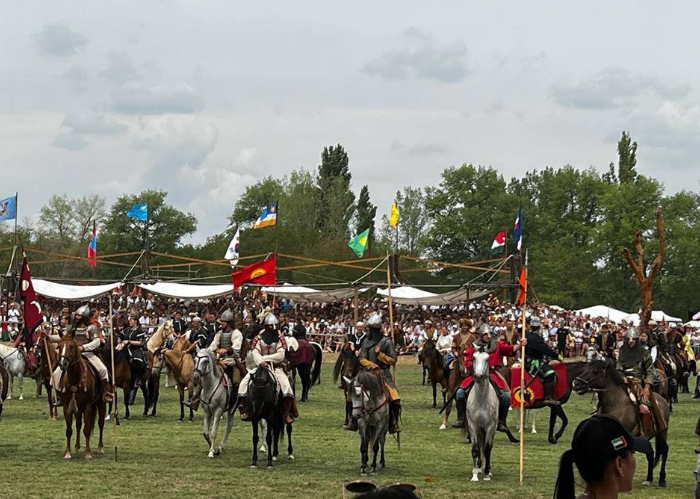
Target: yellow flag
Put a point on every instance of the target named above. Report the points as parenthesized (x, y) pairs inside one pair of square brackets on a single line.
[(394, 218)]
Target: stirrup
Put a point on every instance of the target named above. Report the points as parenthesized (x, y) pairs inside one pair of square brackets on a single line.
[(245, 416)]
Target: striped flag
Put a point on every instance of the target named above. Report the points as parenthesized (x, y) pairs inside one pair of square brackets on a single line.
[(92, 247), (267, 217), (499, 242)]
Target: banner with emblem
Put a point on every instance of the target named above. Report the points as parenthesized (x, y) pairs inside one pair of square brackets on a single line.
[(262, 272), (32, 308)]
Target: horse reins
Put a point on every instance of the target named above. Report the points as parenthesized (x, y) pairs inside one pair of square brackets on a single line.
[(362, 404)]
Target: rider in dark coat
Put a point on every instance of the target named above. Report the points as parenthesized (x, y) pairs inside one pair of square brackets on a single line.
[(536, 353), (133, 340)]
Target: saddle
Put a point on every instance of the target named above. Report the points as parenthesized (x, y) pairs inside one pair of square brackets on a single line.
[(30, 361), (534, 389), (648, 415)]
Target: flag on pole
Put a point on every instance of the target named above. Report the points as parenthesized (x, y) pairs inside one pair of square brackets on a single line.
[(262, 272), (518, 230), (232, 253), (499, 242), (32, 308), (139, 211), (523, 286), (267, 217), (8, 208), (92, 247), (359, 243), (394, 217)]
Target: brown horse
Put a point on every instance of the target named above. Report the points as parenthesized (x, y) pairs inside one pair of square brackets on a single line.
[(124, 379), (81, 396), (47, 354), (434, 362), (181, 366), (4, 385), (347, 365)]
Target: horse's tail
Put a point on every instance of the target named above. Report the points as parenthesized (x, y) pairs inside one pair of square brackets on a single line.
[(318, 360), (337, 367)]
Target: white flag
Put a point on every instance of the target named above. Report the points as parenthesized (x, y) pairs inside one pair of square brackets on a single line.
[(232, 252)]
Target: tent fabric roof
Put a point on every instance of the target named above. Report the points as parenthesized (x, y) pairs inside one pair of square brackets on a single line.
[(188, 291), (656, 315), (309, 295), (408, 295), (604, 312), (71, 292)]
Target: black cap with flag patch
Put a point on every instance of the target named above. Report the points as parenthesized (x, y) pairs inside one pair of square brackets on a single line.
[(602, 435)]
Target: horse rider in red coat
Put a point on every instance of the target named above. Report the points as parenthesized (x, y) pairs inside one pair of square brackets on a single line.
[(496, 349)]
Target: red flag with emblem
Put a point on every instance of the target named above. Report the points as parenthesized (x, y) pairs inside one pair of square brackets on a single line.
[(32, 308), (262, 272)]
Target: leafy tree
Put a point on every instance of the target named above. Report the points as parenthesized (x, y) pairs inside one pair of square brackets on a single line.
[(336, 199), (414, 222), (627, 159)]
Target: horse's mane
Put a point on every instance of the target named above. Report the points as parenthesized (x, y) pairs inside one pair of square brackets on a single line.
[(158, 338), (371, 383), (613, 373), (346, 352), (180, 343)]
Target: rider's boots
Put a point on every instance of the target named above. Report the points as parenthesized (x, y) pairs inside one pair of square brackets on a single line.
[(287, 401), (549, 392), (243, 406), (394, 415), (106, 390), (461, 414)]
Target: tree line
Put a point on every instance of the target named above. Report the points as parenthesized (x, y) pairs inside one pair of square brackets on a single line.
[(576, 221)]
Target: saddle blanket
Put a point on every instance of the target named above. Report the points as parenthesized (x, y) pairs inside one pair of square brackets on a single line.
[(305, 354), (534, 391)]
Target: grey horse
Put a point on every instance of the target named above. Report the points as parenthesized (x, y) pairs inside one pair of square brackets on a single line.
[(482, 416), (214, 397), (370, 406)]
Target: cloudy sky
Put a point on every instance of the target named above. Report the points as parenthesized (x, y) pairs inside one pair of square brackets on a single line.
[(203, 98)]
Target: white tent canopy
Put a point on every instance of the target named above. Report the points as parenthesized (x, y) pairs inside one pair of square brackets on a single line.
[(408, 295), (188, 291), (71, 292), (656, 315), (604, 312), (309, 295), (693, 324)]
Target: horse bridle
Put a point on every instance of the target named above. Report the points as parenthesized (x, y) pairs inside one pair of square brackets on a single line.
[(196, 367), (362, 402), (586, 384)]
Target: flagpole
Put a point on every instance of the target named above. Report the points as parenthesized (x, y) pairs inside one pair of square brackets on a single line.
[(114, 390), (505, 256), (391, 305), (522, 380)]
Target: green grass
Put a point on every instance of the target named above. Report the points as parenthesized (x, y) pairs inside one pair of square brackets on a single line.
[(162, 458)]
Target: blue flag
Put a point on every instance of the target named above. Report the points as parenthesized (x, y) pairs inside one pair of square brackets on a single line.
[(139, 211), (8, 208), (518, 230)]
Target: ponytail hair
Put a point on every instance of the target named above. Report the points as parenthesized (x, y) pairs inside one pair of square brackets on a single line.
[(565, 488)]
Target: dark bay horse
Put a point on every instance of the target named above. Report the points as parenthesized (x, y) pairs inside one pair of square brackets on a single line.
[(573, 370), (347, 365), (126, 379), (434, 362), (306, 360), (81, 396), (602, 378), (46, 355), (4, 385), (265, 404)]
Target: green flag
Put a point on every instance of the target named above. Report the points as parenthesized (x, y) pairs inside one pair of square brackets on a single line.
[(359, 243)]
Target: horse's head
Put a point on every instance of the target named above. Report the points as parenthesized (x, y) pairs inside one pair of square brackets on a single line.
[(596, 376), (480, 366), (203, 365), (591, 354), (366, 393), (68, 352), (429, 353)]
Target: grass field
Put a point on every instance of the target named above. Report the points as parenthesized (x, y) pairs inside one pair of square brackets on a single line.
[(159, 457)]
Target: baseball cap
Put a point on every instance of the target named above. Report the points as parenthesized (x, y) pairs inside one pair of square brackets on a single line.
[(603, 435)]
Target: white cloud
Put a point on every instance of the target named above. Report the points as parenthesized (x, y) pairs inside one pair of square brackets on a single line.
[(58, 40), (75, 130)]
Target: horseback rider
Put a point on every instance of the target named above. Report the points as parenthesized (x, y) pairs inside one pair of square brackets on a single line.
[(536, 363), (497, 349), (211, 327), (460, 342), (87, 336), (444, 346), (179, 324), (635, 365), (268, 351), (226, 345), (132, 340), (198, 336), (379, 354)]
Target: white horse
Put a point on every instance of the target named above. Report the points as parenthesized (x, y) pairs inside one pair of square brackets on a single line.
[(14, 362), (482, 416), (214, 397)]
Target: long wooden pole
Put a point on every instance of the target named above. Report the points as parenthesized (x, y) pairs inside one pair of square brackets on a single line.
[(522, 381), (391, 305), (114, 390)]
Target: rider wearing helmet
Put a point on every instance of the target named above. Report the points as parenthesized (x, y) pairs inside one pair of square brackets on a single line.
[(87, 336), (635, 364), (536, 363), (496, 349), (268, 351)]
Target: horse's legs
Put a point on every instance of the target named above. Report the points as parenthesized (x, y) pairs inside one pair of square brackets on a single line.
[(154, 388), (382, 441), (229, 425), (662, 473), (290, 449), (101, 409), (146, 397), (190, 391), (205, 432), (564, 422), (487, 460), (276, 430), (375, 451), (78, 425), (216, 416), (364, 444), (254, 464), (650, 469), (476, 456), (552, 422), (68, 417), (434, 394), (38, 382), (53, 410), (182, 404), (305, 375), (89, 416), (268, 441), (20, 378), (446, 417)]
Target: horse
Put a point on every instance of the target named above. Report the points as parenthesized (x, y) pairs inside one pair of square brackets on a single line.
[(4, 382), (81, 396), (215, 399), (46, 354), (432, 359), (573, 369), (482, 416), (124, 379), (348, 365), (265, 406), (307, 360), (602, 378), (370, 406), (177, 360), (14, 363)]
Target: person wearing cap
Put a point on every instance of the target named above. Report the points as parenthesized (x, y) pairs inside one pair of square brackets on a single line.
[(537, 352), (603, 452), (197, 336), (460, 343), (357, 337), (378, 354), (268, 350), (430, 331), (87, 337), (497, 349), (635, 365)]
